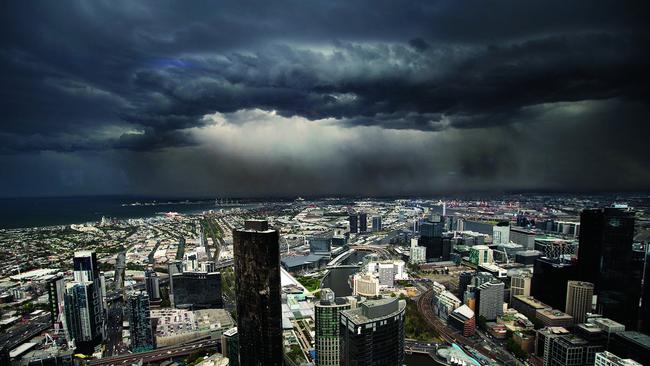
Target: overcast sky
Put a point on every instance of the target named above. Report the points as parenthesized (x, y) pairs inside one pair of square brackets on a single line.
[(330, 97)]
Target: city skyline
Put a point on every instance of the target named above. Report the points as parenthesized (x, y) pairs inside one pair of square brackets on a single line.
[(316, 99)]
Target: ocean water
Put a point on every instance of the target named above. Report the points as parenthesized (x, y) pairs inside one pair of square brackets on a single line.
[(48, 211)]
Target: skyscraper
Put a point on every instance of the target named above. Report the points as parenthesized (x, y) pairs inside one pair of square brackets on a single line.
[(431, 238), (605, 258), (83, 318), (376, 223), (85, 266), (373, 333), (142, 338), (363, 222), (520, 284), (579, 297), (83, 303), (152, 283), (353, 220), (55, 295), (230, 346), (489, 301), (328, 311), (259, 311), (550, 278)]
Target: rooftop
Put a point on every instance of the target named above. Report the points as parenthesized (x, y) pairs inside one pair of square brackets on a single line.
[(639, 339), (554, 314), (617, 360), (373, 310), (301, 260), (532, 302), (465, 311)]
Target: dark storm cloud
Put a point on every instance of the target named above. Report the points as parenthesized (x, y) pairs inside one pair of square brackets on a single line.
[(140, 77)]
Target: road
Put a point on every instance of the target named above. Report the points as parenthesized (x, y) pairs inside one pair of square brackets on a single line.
[(15, 336), (157, 355)]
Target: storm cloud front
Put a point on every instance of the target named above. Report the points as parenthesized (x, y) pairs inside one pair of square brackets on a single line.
[(316, 98)]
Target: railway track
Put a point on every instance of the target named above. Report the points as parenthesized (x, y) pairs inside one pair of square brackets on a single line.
[(426, 309)]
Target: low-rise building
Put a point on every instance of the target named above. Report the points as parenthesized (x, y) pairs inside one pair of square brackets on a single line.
[(464, 320), (554, 318)]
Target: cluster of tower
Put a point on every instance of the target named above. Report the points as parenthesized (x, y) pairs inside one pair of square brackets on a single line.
[(369, 334)]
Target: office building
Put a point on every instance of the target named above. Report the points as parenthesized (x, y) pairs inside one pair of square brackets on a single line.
[(479, 254), (376, 223), (550, 278), (520, 284), (197, 290), (489, 299), (83, 316), (365, 285), (321, 244), (579, 297), (605, 258), (353, 220), (544, 339), (572, 350), (230, 346), (55, 297), (259, 307), (142, 335), (443, 301), (463, 319), (431, 239), (554, 318), (501, 233), (609, 359), (84, 304), (527, 305), (373, 333), (631, 344), (418, 253), (327, 316), (523, 237), (152, 284), (363, 222), (464, 279), (527, 257), (86, 268)]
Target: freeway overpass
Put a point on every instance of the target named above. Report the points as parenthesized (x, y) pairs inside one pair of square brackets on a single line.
[(157, 355), (21, 334)]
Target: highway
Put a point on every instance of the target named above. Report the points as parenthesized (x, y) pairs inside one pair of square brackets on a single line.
[(15, 336), (157, 355)]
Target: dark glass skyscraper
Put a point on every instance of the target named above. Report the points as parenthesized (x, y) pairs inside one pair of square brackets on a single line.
[(373, 333), (550, 278), (605, 258), (84, 310), (152, 284), (142, 338), (259, 309), (354, 223), (431, 238), (363, 222), (83, 317), (55, 295)]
